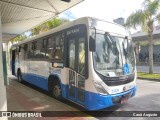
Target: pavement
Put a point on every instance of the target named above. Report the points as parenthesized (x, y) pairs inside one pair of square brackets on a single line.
[(145, 68), (25, 97), (147, 99)]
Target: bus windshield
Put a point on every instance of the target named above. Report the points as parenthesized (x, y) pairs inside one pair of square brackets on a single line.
[(114, 55)]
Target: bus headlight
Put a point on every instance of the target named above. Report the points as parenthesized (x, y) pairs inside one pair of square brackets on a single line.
[(100, 88)]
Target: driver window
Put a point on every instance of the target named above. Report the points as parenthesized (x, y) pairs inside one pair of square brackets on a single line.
[(72, 54), (81, 56)]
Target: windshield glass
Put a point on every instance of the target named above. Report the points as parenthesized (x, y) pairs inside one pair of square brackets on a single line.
[(127, 51), (114, 55)]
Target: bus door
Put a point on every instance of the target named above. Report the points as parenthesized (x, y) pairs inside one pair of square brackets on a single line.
[(77, 66), (13, 61)]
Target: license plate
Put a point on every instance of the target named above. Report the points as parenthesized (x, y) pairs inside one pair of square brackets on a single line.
[(123, 100)]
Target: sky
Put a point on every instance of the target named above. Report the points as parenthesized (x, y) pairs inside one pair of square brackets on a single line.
[(103, 9)]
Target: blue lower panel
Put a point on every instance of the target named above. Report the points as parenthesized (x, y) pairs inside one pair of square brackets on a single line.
[(36, 80), (93, 101), (96, 101), (64, 90)]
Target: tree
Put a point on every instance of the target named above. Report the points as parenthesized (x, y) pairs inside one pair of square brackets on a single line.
[(145, 18), (48, 25), (40, 28)]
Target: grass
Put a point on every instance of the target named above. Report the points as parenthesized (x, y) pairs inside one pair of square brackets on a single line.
[(148, 76)]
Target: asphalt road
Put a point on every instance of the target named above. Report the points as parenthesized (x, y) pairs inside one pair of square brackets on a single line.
[(156, 69), (146, 99)]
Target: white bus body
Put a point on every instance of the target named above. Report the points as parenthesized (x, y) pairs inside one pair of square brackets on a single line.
[(88, 61)]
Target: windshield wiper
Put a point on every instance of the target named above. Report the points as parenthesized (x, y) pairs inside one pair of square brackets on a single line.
[(125, 50), (113, 46), (112, 43)]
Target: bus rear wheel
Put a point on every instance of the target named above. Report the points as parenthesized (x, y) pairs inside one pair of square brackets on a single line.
[(19, 76), (56, 91)]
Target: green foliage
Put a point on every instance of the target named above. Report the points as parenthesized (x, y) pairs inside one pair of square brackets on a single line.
[(36, 30), (19, 38), (41, 28), (143, 44), (152, 7), (157, 43), (145, 17), (148, 76)]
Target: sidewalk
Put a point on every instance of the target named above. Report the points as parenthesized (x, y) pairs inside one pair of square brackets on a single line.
[(22, 97)]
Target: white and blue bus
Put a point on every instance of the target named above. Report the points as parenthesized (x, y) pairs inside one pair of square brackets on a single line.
[(88, 61)]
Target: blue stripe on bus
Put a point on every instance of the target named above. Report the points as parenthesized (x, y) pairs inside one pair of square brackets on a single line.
[(93, 101), (96, 101), (37, 80), (42, 82)]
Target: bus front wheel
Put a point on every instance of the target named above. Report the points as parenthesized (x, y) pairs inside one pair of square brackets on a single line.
[(56, 91)]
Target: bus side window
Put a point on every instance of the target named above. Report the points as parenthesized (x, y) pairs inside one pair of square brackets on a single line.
[(72, 54), (22, 53), (17, 53), (44, 47), (34, 47), (19, 49), (25, 50), (55, 48), (81, 56), (50, 50), (39, 51), (59, 47), (29, 51)]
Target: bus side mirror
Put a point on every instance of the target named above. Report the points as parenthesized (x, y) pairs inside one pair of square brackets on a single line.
[(92, 44)]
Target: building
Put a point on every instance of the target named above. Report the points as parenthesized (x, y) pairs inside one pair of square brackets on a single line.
[(140, 40)]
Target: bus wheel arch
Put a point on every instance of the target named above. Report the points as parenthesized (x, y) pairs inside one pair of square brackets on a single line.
[(19, 75), (54, 86)]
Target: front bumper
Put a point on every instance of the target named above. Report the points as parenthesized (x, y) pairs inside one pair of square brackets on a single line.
[(96, 101)]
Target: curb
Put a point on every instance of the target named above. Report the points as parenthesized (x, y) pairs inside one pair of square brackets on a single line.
[(150, 79)]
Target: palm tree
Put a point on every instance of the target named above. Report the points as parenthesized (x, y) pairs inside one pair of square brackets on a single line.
[(145, 18)]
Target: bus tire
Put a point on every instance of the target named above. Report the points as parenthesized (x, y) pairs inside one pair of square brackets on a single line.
[(56, 90), (19, 76)]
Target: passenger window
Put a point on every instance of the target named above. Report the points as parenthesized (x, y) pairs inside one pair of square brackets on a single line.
[(55, 48), (39, 51), (34, 46), (28, 51), (50, 49)]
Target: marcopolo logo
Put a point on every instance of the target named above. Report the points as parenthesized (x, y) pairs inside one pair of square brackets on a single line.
[(72, 31)]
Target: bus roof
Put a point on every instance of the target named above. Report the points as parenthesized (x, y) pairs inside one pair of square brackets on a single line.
[(83, 20)]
